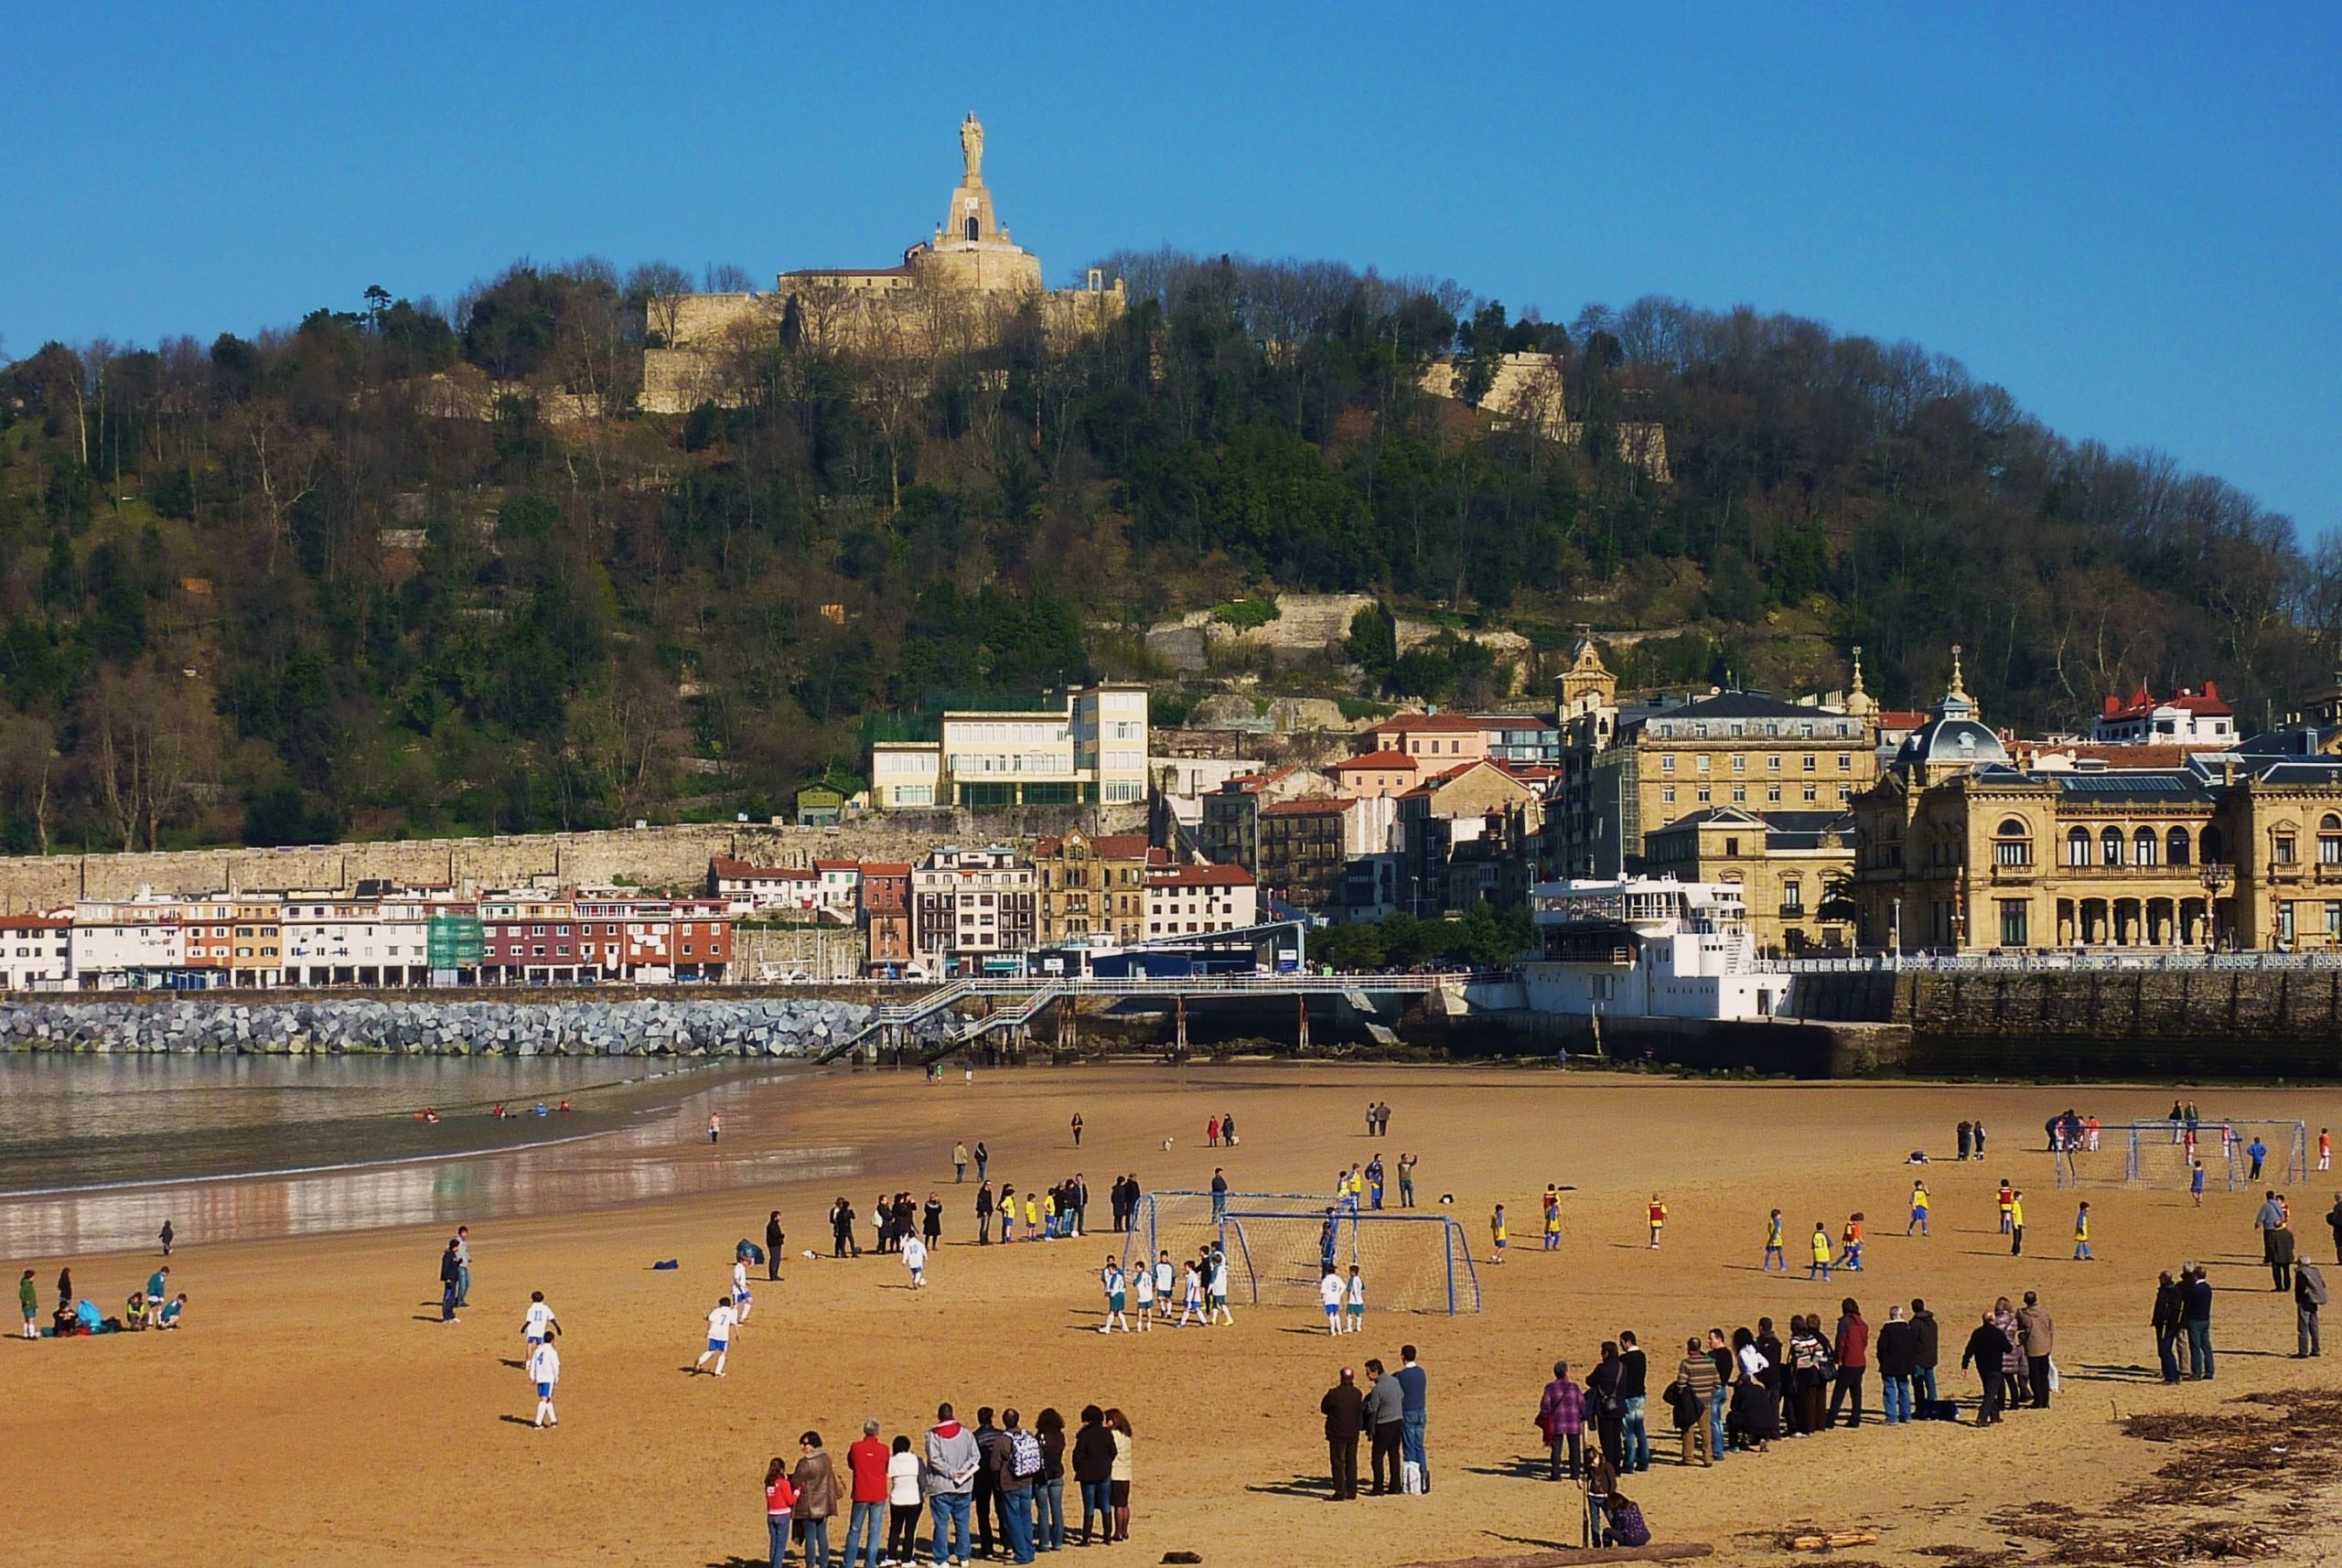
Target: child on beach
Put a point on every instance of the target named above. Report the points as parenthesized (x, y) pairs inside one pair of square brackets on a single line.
[(1329, 1293), (1919, 1201), (1111, 1276), (1853, 1236), (538, 1324), (719, 1336), (1820, 1269), (1496, 1231), (915, 1260), (1658, 1219), (28, 1299), (2016, 1223), (2081, 1233), (2008, 1199), (1774, 1250), (741, 1299), (1552, 1221), (172, 1311), (1354, 1302), (1144, 1283), (1191, 1298), (2196, 1181), (545, 1370), (1220, 1313)]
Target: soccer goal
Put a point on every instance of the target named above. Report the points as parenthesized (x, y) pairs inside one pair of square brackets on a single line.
[(1277, 1244), (2157, 1154)]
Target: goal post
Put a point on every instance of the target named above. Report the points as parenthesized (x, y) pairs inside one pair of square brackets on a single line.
[(1277, 1245)]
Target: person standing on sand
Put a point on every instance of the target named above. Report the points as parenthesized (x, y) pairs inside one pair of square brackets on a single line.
[(1774, 1251), (1966, 1139), (1227, 1131), (914, 1251), (2196, 1315), (545, 1370), (29, 1298), (1415, 1413), (2039, 1336), (714, 1126), (1382, 1430), (1220, 1313), (1851, 1352), (2309, 1294), (719, 1335), (2016, 1223), (958, 1163), (1077, 1129), (2082, 1253), (1116, 1288), (1822, 1252), (2196, 1181), (774, 1241), (463, 1266), (1697, 1387), (1407, 1184), (902, 1504), (538, 1325), (742, 1300), (1344, 1409), (1495, 1232), (816, 1480), (983, 1161), (2166, 1321), (1212, 1132), (1093, 1472), (931, 1222), (781, 1498), (1329, 1293), (447, 1281), (983, 1215), (1142, 1283), (867, 1460), (1919, 1201), (949, 1479), (1634, 1398), (166, 1238), (1658, 1219), (1978, 1130), (1987, 1347), (1561, 1419), (1119, 1488), (2334, 1224)]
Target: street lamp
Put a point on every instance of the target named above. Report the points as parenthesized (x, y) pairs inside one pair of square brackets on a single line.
[(2215, 878)]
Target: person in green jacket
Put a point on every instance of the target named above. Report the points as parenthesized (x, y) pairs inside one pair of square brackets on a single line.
[(29, 1297)]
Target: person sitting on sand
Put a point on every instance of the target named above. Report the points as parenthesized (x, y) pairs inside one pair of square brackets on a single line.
[(134, 1314)]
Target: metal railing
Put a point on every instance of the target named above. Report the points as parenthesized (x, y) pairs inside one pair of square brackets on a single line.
[(2107, 960)]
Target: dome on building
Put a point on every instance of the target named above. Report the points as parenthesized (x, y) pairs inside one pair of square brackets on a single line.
[(1954, 737)]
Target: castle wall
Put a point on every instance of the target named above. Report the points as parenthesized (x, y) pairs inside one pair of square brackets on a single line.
[(655, 858)]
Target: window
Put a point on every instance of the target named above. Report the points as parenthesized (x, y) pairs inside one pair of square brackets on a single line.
[(2077, 846), (1704, 794), (1811, 794), (2176, 846), (2285, 925), (1792, 896), (1700, 763), (1739, 763), (2334, 925), (2143, 847), (1739, 793), (1773, 794), (1667, 794), (1845, 762), (1666, 765), (2014, 932), (2329, 840), (2281, 849), (2011, 846), (2109, 847), (1810, 763), (1772, 764), (1731, 847)]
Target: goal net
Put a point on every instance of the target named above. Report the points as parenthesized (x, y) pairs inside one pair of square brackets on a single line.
[(1277, 1245), (2227, 1146)]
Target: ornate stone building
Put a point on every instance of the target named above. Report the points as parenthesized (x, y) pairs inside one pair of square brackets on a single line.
[(955, 291), (1960, 850)]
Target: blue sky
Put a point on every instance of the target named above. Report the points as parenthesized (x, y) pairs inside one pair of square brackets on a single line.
[(2131, 217)]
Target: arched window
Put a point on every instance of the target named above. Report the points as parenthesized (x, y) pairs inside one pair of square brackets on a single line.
[(2143, 847), (2109, 847), (2210, 841), (972, 229), (2329, 840), (2011, 846), (2078, 847), (2176, 846)]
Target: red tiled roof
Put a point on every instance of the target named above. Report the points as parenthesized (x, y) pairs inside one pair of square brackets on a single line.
[(1393, 760), (1404, 723), (2186, 700), (1199, 876), (2119, 755), (837, 866), (1900, 718), (1307, 806), (885, 868), (1119, 846)]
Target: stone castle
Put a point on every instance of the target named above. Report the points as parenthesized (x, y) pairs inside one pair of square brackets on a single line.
[(956, 292)]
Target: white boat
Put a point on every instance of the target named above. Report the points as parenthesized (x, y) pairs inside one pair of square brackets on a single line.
[(1643, 948)]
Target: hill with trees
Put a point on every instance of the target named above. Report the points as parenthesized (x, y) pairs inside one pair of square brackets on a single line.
[(403, 569)]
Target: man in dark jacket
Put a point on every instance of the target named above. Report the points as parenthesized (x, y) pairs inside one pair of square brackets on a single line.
[(1987, 1348), (2038, 1337), (1345, 1410), (1604, 1404), (1898, 1353), (2195, 1316), (2334, 1224), (773, 1240), (2309, 1294), (988, 1445), (1852, 1353), (1634, 1389), (2281, 1258), (842, 1229), (984, 1214), (1015, 1490), (451, 1274), (1923, 1364), (2166, 1321)]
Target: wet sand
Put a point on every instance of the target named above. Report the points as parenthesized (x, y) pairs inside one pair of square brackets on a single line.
[(315, 1409)]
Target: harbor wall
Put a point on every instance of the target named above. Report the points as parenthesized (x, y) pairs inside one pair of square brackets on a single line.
[(2097, 1023)]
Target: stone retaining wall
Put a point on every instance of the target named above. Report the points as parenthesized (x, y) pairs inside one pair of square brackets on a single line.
[(773, 1026)]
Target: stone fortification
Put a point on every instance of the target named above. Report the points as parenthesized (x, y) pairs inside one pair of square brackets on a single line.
[(678, 1026), (651, 858)]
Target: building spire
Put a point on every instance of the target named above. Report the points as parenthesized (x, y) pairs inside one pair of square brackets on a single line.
[(1858, 670), (1956, 690), (1859, 702)]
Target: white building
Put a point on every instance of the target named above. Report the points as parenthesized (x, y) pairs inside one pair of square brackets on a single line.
[(1092, 752), (2187, 717), (341, 940), (1640, 946), (1190, 900), (127, 943), (838, 890), (750, 890), (35, 952), (974, 904)]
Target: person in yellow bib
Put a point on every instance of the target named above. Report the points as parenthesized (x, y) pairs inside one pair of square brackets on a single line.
[(1774, 1253), (2017, 1224), (1822, 1252), (1919, 1209), (2081, 1234), (1658, 1219), (1554, 1225), (1496, 1230)]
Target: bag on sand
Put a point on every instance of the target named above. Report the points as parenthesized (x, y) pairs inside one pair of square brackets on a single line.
[(1937, 1410), (2053, 1375), (1411, 1477)]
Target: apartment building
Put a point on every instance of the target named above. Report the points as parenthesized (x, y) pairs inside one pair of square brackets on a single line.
[(35, 952), (973, 904), (1194, 900), (1092, 751)]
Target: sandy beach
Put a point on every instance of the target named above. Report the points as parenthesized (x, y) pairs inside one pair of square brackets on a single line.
[(315, 1409)]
